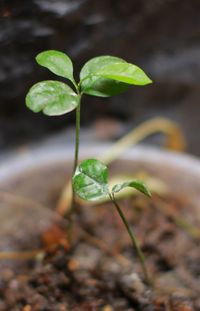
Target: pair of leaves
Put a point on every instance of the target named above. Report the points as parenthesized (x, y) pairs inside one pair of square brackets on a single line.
[(90, 181), (101, 76)]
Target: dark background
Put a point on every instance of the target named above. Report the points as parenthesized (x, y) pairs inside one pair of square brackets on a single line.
[(161, 36)]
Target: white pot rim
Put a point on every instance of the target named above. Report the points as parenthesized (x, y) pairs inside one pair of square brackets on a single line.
[(24, 161)]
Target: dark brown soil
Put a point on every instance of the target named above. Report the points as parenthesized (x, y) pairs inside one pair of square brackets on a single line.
[(100, 270)]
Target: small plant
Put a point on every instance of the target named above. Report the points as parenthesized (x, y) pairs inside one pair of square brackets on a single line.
[(101, 76), (90, 182)]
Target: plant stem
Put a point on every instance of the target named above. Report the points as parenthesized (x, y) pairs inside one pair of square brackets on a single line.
[(76, 152), (76, 156), (133, 239)]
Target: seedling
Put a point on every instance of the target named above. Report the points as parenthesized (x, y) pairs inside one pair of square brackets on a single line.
[(90, 182), (101, 76)]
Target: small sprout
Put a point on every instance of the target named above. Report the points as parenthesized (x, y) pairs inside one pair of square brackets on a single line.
[(101, 76), (90, 182)]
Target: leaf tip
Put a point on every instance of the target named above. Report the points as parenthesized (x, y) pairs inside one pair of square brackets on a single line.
[(39, 57), (148, 193), (149, 81)]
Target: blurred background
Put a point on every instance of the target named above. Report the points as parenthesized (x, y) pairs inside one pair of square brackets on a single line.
[(161, 36)]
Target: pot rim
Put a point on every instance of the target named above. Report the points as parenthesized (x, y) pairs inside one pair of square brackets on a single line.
[(20, 162)]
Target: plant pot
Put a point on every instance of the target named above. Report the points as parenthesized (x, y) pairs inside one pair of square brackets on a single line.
[(39, 175), (39, 171)]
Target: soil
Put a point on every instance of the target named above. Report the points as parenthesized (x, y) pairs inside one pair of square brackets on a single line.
[(99, 270)]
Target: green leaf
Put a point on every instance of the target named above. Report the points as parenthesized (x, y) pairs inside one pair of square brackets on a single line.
[(52, 97), (137, 184), (90, 181), (101, 87), (96, 85), (107, 75), (124, 72), (94, 64), (57, 62)]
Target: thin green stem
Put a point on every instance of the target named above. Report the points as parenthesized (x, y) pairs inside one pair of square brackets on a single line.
[(75, 85), (133, 239), (76, 156), (76, 152), (77, 139)]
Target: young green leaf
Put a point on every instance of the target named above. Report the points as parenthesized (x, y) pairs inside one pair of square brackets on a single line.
[(107, 75), (124, 72), (90, 181), (137, 184), (52, 97), (92, 84), (57, 62), (96, 86), (96, 63)]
